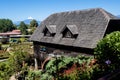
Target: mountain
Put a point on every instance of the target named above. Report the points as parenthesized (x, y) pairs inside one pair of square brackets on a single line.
[(26, 21), (118, 16)]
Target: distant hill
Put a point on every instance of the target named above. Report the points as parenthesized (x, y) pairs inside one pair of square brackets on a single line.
[(118, 16), (26, 21)]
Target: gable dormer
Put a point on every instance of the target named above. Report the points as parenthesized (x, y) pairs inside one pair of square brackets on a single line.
[(49, 30), (70, 31)]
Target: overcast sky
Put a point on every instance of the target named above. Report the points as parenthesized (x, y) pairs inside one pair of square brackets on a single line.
[(18, 10)]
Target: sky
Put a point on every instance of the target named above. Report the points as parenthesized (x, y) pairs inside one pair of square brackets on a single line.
[(18, 10)]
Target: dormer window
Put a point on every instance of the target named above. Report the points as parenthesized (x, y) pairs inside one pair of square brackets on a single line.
[(67, 33), (70, 31), (47, 33), (50, 30)]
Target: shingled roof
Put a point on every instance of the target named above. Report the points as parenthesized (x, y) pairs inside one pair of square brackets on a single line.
[(90, 25)]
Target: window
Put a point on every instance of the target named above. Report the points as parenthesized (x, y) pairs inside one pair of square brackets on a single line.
[(47, 33), (67, 34), (50, 30), (70, 31), (42, 48)]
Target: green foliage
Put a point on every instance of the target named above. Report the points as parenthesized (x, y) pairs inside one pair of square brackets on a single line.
[(33, 25), (33, 75), (14, 63), (6, 25), (83, 70), (5, 70), (83, 59), (3, 53), (38, 75), (16, 59), (23, 28), (56, 65), (50, 67), (23, 39), (107, 51), (46, 76)]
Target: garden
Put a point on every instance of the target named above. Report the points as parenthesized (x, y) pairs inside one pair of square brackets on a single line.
[(13, 55), (103, 65)]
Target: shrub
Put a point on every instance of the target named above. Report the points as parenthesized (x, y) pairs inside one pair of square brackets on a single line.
[(17, 58), (34, 75), (70, 68), (5, 70), (107, 52)]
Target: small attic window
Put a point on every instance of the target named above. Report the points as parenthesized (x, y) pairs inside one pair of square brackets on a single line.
[(67, 34), (70, 31), (46, 33), (49, 30)]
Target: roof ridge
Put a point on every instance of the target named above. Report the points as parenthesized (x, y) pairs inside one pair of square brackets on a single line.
[(86, 10), (105, 14)]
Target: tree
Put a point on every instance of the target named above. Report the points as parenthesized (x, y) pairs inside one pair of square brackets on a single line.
[(6, 25), (107, 51), (23, 28), (33, 25), (15, 26)]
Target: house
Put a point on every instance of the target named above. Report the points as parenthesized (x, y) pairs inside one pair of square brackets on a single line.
[(14, 32), (73, 32), (4, 37)]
